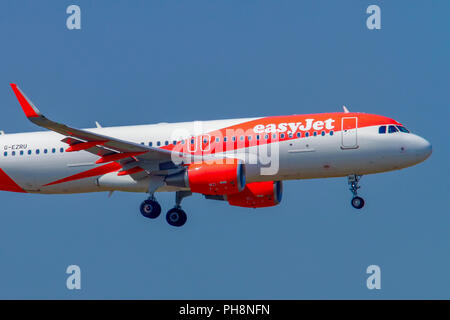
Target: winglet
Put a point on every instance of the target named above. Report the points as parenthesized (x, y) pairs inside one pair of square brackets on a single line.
[(345, 109), (28, 107)]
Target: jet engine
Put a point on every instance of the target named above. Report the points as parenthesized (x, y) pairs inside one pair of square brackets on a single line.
[(255, 195), (211, 178)]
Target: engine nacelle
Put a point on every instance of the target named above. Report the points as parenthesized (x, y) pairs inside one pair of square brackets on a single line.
[(257, 195), (211, 178)]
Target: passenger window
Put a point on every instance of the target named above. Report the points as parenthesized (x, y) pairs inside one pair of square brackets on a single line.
[(266, 136), (382, 129), (150, 144), (45, 150), (392, 129), (331, 132), (53, 150), (191, 144), (234, 138), (225, 139), (29, 151), (274, 136), (206, 145), (282, 136), (5, 153), (37, 151), (299, 134), (13, 153), (166, 143), (158, 143), (174, 142), (257, 137), (249, 138), (323, 133), (217, 139), (307, 134), (21, 152), (242, 138), (315, 134), (61, 150), (290, 135)]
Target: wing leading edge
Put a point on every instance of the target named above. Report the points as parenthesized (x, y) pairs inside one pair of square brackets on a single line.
[(107, 148)]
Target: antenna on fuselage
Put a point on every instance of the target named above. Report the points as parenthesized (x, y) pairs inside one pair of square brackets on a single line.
[(97, 124), (345, 109), (2, 132)]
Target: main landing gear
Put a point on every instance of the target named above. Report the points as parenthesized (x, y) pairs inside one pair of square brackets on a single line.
[(353, 180), (176, 217), (150, 208)]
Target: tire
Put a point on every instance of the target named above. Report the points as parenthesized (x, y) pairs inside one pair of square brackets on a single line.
[(176, 217), (357, 202), (150, 209)]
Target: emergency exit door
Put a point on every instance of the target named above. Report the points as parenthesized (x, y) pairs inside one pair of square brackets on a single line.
[(349, 133)]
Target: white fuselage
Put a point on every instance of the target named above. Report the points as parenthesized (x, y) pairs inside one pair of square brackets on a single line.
[(35, 159)]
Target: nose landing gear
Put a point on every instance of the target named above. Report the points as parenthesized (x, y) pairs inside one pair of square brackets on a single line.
[(353, 180), (357, 202)]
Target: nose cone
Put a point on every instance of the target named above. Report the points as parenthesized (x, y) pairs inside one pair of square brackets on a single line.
[(422, 148)]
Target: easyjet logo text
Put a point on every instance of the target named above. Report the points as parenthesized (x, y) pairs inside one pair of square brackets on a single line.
[(292, 127)]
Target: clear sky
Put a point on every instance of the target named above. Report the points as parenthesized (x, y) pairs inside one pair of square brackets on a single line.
[(138, 62)]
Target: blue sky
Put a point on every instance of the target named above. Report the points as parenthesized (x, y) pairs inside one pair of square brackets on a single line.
[(151, 61)]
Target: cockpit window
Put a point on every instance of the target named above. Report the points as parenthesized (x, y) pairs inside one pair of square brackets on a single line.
[(403, 129), (382, 129), (392, 129)]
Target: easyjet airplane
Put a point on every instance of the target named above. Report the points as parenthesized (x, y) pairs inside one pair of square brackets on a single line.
[(241, 161)]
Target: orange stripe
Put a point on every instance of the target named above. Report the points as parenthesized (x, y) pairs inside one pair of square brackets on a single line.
[(84, 145), (110, 167), (8, 184), (364, 120), (118, 156), (130, 171)]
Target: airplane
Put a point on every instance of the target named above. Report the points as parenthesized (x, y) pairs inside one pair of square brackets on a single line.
[(241, 161)]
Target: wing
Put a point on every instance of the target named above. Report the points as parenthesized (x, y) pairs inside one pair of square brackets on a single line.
[(136, 159)]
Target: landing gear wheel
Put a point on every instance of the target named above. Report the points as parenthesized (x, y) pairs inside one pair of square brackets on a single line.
[(150, 209), (176, 217), (357, 202), (353, 181)]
